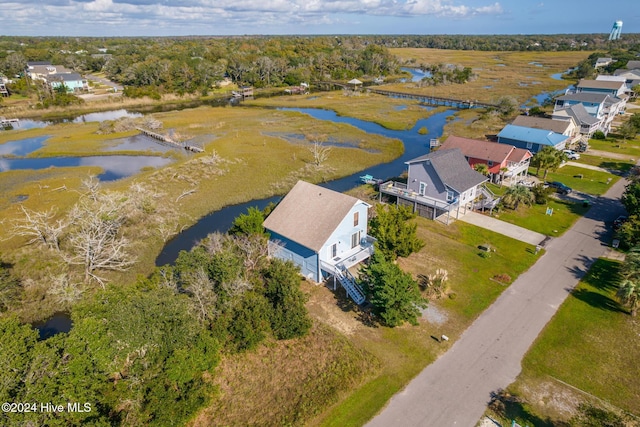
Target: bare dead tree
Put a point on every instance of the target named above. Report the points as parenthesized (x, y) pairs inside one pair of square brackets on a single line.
[(214, 242), (200, 287), (96, 242), (40, 227), (91, 187), (254, 250), (319, 151)]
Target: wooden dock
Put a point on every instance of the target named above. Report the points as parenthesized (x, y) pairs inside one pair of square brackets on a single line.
[(9, 123), (434, 100), (425, 99), (168, 142)]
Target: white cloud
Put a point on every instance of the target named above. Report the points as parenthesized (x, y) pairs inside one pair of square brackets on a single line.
[(138, 17)]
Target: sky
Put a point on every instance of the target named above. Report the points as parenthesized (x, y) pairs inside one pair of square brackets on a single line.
[(252, 17)]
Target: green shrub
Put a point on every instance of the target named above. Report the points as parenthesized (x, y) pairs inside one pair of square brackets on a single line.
[(599, 135)]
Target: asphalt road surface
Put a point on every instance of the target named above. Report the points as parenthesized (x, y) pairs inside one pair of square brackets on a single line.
[(455, 389)]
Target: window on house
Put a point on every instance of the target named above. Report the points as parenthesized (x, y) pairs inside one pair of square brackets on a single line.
[(333, 250), (489, 163), (529, 145), (356, 218), (450, 195), (355, 239), (423, 188)]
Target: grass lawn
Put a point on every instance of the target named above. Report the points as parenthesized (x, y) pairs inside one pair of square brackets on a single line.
[(534, 218), (584, 180), (590, 345), (403, 352), (630, 148), (612, 165)]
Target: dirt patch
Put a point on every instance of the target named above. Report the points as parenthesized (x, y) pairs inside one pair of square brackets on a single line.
[(334, 309), (434, 315)]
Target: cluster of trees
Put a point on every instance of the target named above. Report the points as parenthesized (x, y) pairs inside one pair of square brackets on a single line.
[(144, 354), (188, 65), (394, 294), (511, 42), (444, 74), (630, 128), (629, 232)]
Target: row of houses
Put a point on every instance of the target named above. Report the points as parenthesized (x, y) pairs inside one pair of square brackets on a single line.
[(56, 76)]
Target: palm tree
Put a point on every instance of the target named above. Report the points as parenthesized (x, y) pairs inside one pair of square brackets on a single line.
[(481, 168), (629, 287), (548, 159), (516, 195), (629, 294)]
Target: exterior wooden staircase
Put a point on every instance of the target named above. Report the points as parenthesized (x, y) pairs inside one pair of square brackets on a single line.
[(348, 282)]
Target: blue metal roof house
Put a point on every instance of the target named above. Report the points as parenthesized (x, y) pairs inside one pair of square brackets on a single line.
[(323, 232), (531, 139)]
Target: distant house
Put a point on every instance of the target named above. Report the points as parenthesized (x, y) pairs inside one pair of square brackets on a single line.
[(503, 160), (564, 127), (72, 81), (532, 139), (323, 232), (440, 183), (587, 124), (603, 62)]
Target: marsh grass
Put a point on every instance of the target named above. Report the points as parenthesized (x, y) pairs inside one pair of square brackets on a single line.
[(370, 107), (253, 165), (516, 77)]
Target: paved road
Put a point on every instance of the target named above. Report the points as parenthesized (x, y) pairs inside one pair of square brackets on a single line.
[(455, 389)]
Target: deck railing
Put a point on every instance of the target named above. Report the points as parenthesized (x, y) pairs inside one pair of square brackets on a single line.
[(400, 189)]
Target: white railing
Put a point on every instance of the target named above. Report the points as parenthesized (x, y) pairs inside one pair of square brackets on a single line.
[(400, 189)]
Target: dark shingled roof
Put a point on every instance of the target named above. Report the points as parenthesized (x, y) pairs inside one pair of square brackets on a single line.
[(591, 97), (309, 214), (557, 126), (600, 84), (452, 169)]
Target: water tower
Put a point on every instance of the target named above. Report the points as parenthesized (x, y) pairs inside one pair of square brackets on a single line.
[(616, 30)]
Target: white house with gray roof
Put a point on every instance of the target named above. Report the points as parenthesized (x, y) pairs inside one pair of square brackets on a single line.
[(440, 183), (587, 124), (323, 232), (603, 106)]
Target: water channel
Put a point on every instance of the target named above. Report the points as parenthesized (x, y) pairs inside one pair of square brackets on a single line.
[(414, 145)]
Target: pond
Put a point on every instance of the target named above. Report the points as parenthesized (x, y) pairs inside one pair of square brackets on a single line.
[(22, 147), (91, 117), (56, 324), (417, 74), (414, 145), (114, 167)]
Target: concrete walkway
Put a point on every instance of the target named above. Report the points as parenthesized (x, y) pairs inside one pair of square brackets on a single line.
[(504, 228), (455, 389)]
